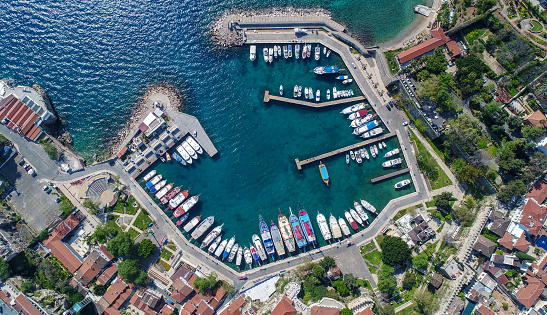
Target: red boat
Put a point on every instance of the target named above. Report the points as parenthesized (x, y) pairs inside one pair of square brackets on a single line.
[(168, 157), (179, 211), (172, 193)]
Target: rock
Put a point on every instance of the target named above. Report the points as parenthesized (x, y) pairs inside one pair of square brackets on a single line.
[(53, 302)]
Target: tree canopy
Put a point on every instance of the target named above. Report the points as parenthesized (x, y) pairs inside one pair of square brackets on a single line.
[(409, 280), (210, 282), (346, 311), (514, 188), (424, 302), (120, 245), (469, 75), (443, 201), (4, 269), (327, 262), (395, 251), (130, 270), (532, 132), (146, 248), (420, 261), (104, 231), (386, 280), (341, 287)]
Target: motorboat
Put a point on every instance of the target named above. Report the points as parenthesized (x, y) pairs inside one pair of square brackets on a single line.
[(182, 219), (366, 154), (194, 144), (233, 252), (353, 108), (148, 176), (259, 248), (375, 149), (317, 53), (290, 51), (326, 70), (373, 133), (281, 90), (310, 93), (304, 51), (248, 257), (324, 173), (402, 184), (391, 153), (299, 91), (328, 94), (167, 157), (351, 221), (297, 230), (358, 158), (178, 158), (164, 191), (158, 186), (368, 206), (265, 52), (365, 217), (328, 53), (202, 227), (306, 225), (266, 237), (366, 127), (214, 245), (239, 256), (275, 51), (185, 156), (324, 50), (270, 55), (360, 210), (285, 52), (324, 227), (383, 144), (357, 114), (192, 224), (220, 248), (170, 195), (297, 51), (356, 216), (279, 51), (380, 145), (277, 240), (335, 228), (352, 155), (342, 77), (308, 51), (286, 233), (361, 121), (156, 179), (318, 95), (252, 55), (392, 163), (178, 199), (228, 248), (295, 91), (344, 227), (362, 153), (347, 81), (306, 94), (188, 148), (372, 152), (347, 159), (256, 258), (211, 236), (334, 93)]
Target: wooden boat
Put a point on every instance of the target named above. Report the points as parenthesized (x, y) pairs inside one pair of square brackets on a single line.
[(192, 224), (324, 173), (344, 227), (324, 227), (335, 228), (211, 236), (182, 219), (165, 199), (351, 221), (266, 237), (286, 233), (306, 225), (297, 230), (167, 157), (277, 240), (259, 248), (356, 216), (203, 227), (214, 244)]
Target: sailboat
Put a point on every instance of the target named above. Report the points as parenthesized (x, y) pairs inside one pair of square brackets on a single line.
[(266, 237), (277, 240), (297, 231), (307, 226), (285, 229)]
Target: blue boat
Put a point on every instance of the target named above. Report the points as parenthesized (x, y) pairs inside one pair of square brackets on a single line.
[(297, 231), (306, 226), (153, 181), (324, 173), (266, 237), (255, 254), (326, 70)]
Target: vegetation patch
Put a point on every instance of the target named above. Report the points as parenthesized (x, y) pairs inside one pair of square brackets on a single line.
[(427, 164), (133, 233), (367, 247), (166, 254), (131, 208), (142, 221), (392, 61), (374, 257), (473, 33)]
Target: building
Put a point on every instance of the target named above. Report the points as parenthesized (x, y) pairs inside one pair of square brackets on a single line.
[(503, 95), (324, 310), (148, 301), (529, 294), (21, 304), (521, 244), (107, 275), (428, 47), (538, 191), (483, 310), (421, 232), (497, 223), (334, 273), (284, 307), (366, 311), (484, 246), (456, 307), (436, 280), (506, 241), (114, 297), (531, 217), (91, 267), (536, 119), (505, 261), (452, 268), (152, 122), (234, 308)]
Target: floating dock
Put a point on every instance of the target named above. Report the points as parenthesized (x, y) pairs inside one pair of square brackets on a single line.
[(299, 163), (423, 10), (390, 175), (268, 97)]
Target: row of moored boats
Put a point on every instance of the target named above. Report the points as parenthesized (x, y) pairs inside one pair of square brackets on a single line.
[(287, 51), (187, 151), (363, 121)]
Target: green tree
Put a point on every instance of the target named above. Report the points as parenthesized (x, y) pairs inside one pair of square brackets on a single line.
[(468, 78), (395, 251), (524, 256), (512, 189), (425, 302), (65, 206), (210, 282), (43, 235), (4, 269), (386, 280), (409, 280), (442, 201), (130, 270), (120, 245), (470, 174), (104, 231), (532, 132), (351, 282), (51, 151), (444, 99), (420, 261), (514, 123), (458, 165), (341, 287), (327, 262), (99, 289), (318, 271), (423, 75), (27, 286), (91, 207), (346, 311), (495, 113), (436, 63), (146, 248)]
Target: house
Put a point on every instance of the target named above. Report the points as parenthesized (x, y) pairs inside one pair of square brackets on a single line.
[(483, 310), (521, 244), (456, 307), (234, 308), (91, 267), (529, 294), (114, 297), (334, 273), (436, 280), (484, 246), (505, 261), (497, 223), (538, 191), (324, 310), (503, 95), (24, 306), (148, 301), (481, 288), (284, 307), (532, 217), (65, 255), (452, 268), (506, 241), (24, 116), (426, 48), (366, 311), (107, 275), (421, 232), (536, 119)]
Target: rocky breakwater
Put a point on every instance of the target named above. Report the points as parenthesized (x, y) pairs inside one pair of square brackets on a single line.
[(226, 33)]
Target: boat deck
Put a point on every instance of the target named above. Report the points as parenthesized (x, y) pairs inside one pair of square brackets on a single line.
[(390, 175), (299, 163), (268, 97)]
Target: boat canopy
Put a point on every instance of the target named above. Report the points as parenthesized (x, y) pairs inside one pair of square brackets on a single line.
[(331, 69)]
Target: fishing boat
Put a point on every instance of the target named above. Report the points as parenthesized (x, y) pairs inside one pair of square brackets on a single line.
[(248, 257), (306, 225), (178, 199), (281, 90), (233, 252), (167, 157), (182, 219), (185, 156), (392, 163), (326, 70), (347, 159), (239, 256), (297, 51), (194, 144), (356, 123), (351, 221), (295, 91), (277, 240), (308, 52), (211, 236), (324, 227), (297, 230), (366, 127), (368, 206), (318, 95), (192, 224), (202, 227), (342, 77), (347, 81), (299, 91), (188, 148), (275, 51), (163, 191), (372, 152), (156, 179), (228, 248), (266, 237), (328, 94), (255, 254), (270, 55), (402, 184), (265, 52), (328, 53), (220, 248), (334, 93), (335, 228), (149, 175), (391, 153), (373, 133), (306, 94), (356, 216), (324, 50), (324, 173), (352, 155), (358, 158), (214, 245), (259, 248), (158, 186), (285, 52), (360, 211), (357, 114), (252, 55), (317, 53), (344, 227), (290, 51), (285, 229)]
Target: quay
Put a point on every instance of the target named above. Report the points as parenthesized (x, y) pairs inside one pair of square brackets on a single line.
[(268, 97), (299, 163), (390, 175)]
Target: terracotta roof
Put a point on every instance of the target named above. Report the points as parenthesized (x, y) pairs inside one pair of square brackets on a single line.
[(234, 308), (107, 274), (535, 119), (453, 48), (26, 307), (503, 95), (167, 309), (533, 216), (438, 40), (189, 307), (522, 244), (484, 246), (62, 229), (284, 307), (91, 267), (366, 311), (506, 241), (64, 255), (116, 290), (538, 191), (106, 252), (324, 310), (21, 118), (122, 152), (335, 271), (483, 310), (204, 309), (111, 311), (4, 297), (182, 272), (529, 294)]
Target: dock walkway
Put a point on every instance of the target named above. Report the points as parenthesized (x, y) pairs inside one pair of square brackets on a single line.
[(268, 97), (299, 163), (390, 175), (273, 22)]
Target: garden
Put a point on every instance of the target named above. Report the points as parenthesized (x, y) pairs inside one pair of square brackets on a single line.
[(436, 176), (536, 26)]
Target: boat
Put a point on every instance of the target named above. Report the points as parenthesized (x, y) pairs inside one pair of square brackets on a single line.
[(392, 163), (295, 91), (167, 157), (188, 148), (304, 50), (190, 225), (285, 229), (347, 159), (358, 158), (360, 211), (281, 90), (275, 51), (344, 227), (373, 133), (324, 227), (328, 94), (189, 203), (298, 31), (391, 153), (299, 91), (356, 216), (318, 95), (220, 248), (334, 93), (356, 123), (326, 70), (178, 199), (365, 217), (163, 191), (383, 144), (233, 252), (297, 230), (266, 237), (357, 114), (362, 153), (149, 175), (285, 52), (351, 221), (255, 254), (290, 51), (366, 127), (214, 244), (366, 154), (211, 236), (252, 55), (306, 225), (375, 149), (310, 93), (279, 51), (270, 53), (342, 77), (324, 50), (352, 155), (182, 219), (347, 81), (259, 248), (306, 94), (248, 257), (265, 52), (324, 173), (239, 256), (380, 145), (228, 248), (402, 184), (202, 227), (317, 53), (328, 53), (308, 51), (372, 152), (297, 51), (368, 206), (153, 181), (185, 156), (194, 144), (277, 240), (158, 186)]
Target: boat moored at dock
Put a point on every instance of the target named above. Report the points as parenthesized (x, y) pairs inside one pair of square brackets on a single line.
[(192, 224), (158, 186), (259, 248), (324, 173), (149, 176), (344, 227), (286, 233), (163, 191), (277, 240), (228, 248), (324, 227), (306, 225), (356, 216), (360, 211), (368, 206), (326, 70), (156, 179), (392, 163), (194, 144), (266, 237), (335, 228), (220, 248), (233, 252), (373, 133), (239, 255), (185, 156), (391, 153), (172, 193), (252, 53), (211, 236), (366, 127), (178, 199), (402, 184), (351, 221), (297, 230), (203, 227), (214, 244), (188, 148), (248, 257), (357, 114)]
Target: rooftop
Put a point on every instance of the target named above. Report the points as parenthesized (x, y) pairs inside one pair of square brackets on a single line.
[(538, 191), (284, 307), (529, 294), (438, 39)]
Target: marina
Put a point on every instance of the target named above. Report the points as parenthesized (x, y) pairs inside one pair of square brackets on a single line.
[(390, 175), (268, 97)]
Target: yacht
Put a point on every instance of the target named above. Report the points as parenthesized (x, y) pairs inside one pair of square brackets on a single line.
[(189, 149), (202, 227), (259, 247), (335, 228), (295, 91), (233, 252), (310, 93), (373, 133), (402, 184), (362, 153), (392, 163), (194, 144), (253, 53), (275, 51), (158, 186), (297, 51), (334, 93), (265, 51), (285, 52), (185, 156), (163, 191), (368, 206), (326, 70), (357, 114), (290, 51), (328, 94), (358, 158), (360, 211), (149, 175), (297, 230), (366, 154), (228, 248), (220, 248), (356, 216), (344, 227), (391, 153), (299, 91), (266, 237), (248, 257), (348, 81), (308, 52), (304, 50), (178, 158), (153, 181), (324, 227), (318, 95), (239, 256), (342, 77), (351, 221), (279, 51), (372, 152), (178, 199), (361, 121), (192, 224), (352, 155), (366, 127), (383, 144), (317, 53), (328, 53), (281, 90), (214, 245), (347, 159), (324, 50), (270, 57)]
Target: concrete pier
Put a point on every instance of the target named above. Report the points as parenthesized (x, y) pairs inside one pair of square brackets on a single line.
[(299, 163), (390, 175), (268, 97)]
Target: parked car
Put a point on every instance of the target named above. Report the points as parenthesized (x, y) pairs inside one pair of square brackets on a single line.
[(58, 200), (31, 172), (405, 123), (44, 188), (354, 66), (48, 190), (26, 167), (21, 162)]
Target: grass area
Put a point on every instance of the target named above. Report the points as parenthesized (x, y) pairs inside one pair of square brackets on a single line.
[(166, 254), (374, 257), (142, 221), (493, 150), (165, 264), (134, 233), (427, 164), (513, 91), (482, 143), (391, 61), (113, 217), (473, 33), (172, 247), (380, 239), (536, 26), (132, 210), (367, 247), (119, 207), (372, 269), (364, 284), (430, 204)]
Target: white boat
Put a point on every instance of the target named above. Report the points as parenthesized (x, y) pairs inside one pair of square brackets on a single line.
[(317, 53), (299, 91), (308, 53), (372, 152), (360, 211), (275, 51), (392, 163), (228, 248), (357, 114), (373, 133), (361, 121), (220, 248), (281, 90), (299, 31), (295, 91), (310, 93), (192, 224), (290, 51), (324, 50), (270, 53), (189, 203), (149, 175), (259, 248), (306, 94), (188, 148), (334, 93), (304, 50), (350, 220), (297, 51), (285, 52), (214, 245), (253, 53), (402, 184), (356, 216), (391, 153), (368, 206), (178, 199), (185, 156), (211, 236), (335, 228), (347, 159), (279, 51), (358, 158), (156, 179), (368, 126), (380, 145), (203, 227), (248, 257), (383, 144), (342, 77), (376, 149), (318, 95), (352, 155), (328, 53), (348, 81), (366, 154), (265, 52), (233, 252), (239, 256), (362, 153), (328, 94), (158, 186), (164, 191), (323, 227), (194, 144), (344, 227)]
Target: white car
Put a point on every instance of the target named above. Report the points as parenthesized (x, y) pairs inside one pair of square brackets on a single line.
[(354, 66), (44, 188), (405, 123)]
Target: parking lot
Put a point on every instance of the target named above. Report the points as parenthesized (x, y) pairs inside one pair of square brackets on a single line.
[(35, 206)]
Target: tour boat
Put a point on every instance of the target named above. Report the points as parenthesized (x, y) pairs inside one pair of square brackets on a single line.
[(220, 248), (172, 193), (358, 158), (326, 70), (211, 236), (167, 157), (366, 127), (334, 93), (402, 183), (266, 237), (290, 51), (158, 186), (182, 219), (295, 91), (318, 95), (391, 153), (357, 114), (248, 257), (344, 227), (285, 229), (259, 248), (275, 51), (185, 156), (164, 191), (265, 52), (335, 228), (255, 254), (233, 252), (348, 81), (373, 133), (297, 51), (178, 199), (188, 148), (324, 50), (285, 52), (317, 53), (239, 256), (192, 224), (189, 203), (214, 244), (149, 175), (368, 206), (392, 163), (352, 155), (297, 230), (270, 53), (342, 77), (356, 216), (308, 53), (356, 123), (347, 159), (353, 108), (328, 53), (324, 173), (253, 53), (153, 181), (228, 247), (281, 90), (372, 152), (194, 144), (324, 227), (351, 221), (306, 225), (359, 210), (277, 240), (299, 91), (328, 94), (202, 227)]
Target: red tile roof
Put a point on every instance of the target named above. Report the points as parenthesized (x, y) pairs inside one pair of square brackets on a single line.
[(87, 272), (529, 294), (522, 244), (483, 310), (62, 229), (503, 279), (20, 117), (453, 48), (204, 309), (284, 307), (4, 297), (538, 192), (503, 95), (117, 291), (535, 119), (533, 216), (26, 307), (438, 39), (106, 252), (64, 255), (234, 308), (107, 274), (366, 311), (506, 241), (324, 310), (111, 311)]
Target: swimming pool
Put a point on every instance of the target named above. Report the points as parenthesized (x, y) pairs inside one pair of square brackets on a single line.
[(469, 308), (542, 242)]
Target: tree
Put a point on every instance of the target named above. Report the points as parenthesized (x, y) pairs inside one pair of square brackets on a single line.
[(318, 271), (346, 311), (423, 75), (351, 282), (43, 235), (341, 287), (514, 123), (146, 248), (4, 269), (420, 261), (395, 251), (104, 231), (468, 78), (386, 280), (130, 270), (92, 207), (444, 99), (436, 63), (51, 151), (464, 214), (327, 262), (470, 174), (65, 206), (458, 165), (524, 256), (409, 280), (425, 302), (495, 113), (99, 289), (120, 245), (532, 132), (210, 282), (27, 286), (442, 201), (512, 189)]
